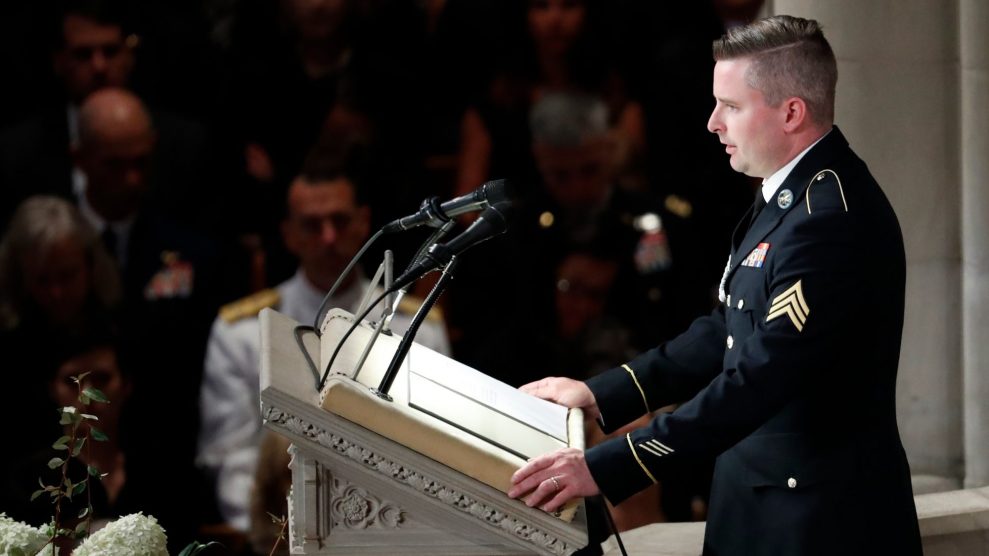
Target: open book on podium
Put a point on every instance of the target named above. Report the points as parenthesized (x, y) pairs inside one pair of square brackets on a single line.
[(477, 428)]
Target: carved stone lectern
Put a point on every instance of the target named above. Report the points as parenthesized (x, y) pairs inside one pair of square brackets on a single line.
[(425, 473)]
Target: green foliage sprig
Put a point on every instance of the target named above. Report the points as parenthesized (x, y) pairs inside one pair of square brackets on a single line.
[(18, 538), (78, 439)]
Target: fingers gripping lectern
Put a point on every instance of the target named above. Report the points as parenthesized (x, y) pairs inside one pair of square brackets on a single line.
[(425, 473)]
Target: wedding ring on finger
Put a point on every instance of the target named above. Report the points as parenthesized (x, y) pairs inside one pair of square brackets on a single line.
[(556, 483)]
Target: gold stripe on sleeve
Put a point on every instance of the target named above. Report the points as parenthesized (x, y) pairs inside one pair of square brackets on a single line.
[(628, 437), (637, 385)]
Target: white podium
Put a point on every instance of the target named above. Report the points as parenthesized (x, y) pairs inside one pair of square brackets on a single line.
[(423, 474)]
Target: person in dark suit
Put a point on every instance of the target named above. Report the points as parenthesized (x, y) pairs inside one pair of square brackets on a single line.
[(174, 277), (812, 312), (94, 49)]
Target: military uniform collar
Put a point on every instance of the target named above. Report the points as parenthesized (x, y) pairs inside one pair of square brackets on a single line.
[(789, 194)]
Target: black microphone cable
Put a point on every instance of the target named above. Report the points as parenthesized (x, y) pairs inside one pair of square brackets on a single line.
[(321, 379), (611, 524), (336, 285), (320, 313), (299, 330)]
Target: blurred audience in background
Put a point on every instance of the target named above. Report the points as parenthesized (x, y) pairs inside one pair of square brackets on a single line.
[(300, 67), (147, 149), (137, 469), (170, 272), (575, 208), (325, 221), (550, 46), (93, 48), (56, 282)]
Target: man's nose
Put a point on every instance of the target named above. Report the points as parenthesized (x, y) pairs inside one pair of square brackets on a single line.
[(134, 178), (714, 124), (327, 233), (98, 60)]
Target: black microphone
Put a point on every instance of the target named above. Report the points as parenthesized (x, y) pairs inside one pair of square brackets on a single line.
[(490, 223), (435, 214)]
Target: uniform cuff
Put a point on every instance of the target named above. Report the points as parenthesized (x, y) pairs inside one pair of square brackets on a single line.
[(619, 398), (616, 470)]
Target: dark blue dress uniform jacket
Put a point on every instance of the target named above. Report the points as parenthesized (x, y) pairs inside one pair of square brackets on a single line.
[(790, 381)]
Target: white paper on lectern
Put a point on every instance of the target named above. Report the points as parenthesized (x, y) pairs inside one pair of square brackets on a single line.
[(539, 414), (451, 391)]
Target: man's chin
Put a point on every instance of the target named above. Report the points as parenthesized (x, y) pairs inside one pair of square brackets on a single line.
[(738, 166), (323, 278)]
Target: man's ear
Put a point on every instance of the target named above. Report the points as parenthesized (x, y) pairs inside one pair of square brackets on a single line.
[(794, 114)]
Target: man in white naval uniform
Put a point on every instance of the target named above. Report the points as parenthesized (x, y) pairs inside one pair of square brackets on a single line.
[(325, 225)]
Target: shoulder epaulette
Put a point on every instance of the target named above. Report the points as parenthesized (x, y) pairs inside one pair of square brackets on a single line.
[(249, 306), (410, 304), (834, 198)]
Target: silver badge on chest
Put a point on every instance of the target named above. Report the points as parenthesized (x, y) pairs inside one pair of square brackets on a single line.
[(784, 199)]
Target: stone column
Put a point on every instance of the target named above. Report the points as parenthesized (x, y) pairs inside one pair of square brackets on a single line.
[(974, 41), (898, 96)]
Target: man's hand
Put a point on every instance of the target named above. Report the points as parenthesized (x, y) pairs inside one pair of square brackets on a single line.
[(556, 477), (566, 392)]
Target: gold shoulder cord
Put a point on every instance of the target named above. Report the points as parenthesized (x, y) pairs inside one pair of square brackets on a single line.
[(819, 176)]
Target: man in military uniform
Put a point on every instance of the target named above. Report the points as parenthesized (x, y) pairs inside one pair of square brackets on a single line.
[(325, 225), (581, 205), (812, 313)]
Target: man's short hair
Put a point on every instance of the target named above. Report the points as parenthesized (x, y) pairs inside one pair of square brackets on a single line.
[(335, 160), (105, 12), (790, 58)]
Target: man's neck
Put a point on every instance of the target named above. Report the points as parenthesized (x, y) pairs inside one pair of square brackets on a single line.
[(774, 180), (801, 142), (109, 214)]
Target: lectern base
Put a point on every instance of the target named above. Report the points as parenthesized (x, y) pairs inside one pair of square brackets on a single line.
[(355, 492)]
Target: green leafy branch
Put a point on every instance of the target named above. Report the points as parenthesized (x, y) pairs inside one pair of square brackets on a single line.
[(195, 548), (73, 443)]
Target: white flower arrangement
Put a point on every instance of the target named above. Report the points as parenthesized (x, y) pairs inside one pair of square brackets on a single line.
[(20, 539), (131, 535)]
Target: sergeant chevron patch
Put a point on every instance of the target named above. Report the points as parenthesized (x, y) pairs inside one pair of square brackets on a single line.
[(656, 448), (792, 304)]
